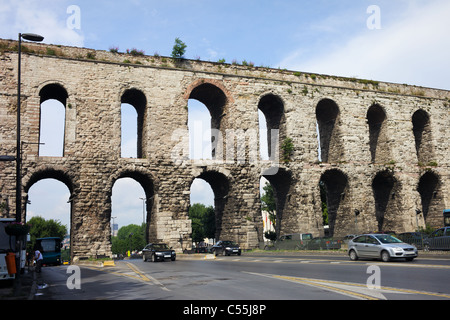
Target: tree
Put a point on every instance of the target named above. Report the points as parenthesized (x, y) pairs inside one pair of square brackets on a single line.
[(203, 222), (268, 202), (41, 228), (179, 49), (130, 237), (323, 199)]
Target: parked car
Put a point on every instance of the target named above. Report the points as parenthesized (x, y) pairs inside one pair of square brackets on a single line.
[(158, 252), (293, 241), (226, 248), (438, 240), (415, 238), (380, 246)]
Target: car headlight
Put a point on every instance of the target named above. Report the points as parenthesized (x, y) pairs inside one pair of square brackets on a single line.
[(397, 249), (159, 253), (227, 248)]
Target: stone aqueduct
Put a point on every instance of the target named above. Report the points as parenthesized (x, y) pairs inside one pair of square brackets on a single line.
[(384, 147)]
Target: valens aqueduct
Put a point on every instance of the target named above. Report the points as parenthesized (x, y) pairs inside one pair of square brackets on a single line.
[(384, 147)]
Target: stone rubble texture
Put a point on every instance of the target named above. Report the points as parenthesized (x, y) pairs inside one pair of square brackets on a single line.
[(384, 146)]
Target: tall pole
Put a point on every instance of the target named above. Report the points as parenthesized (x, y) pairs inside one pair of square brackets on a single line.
[(18, 148), (36, 38)]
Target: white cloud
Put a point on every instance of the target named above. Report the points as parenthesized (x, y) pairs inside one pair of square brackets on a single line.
[(41, 17), (413, 50)]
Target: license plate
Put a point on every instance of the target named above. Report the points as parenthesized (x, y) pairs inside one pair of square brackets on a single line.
[(167, 256), (235, 250)]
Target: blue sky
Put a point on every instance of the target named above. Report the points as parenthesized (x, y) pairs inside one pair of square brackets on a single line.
[(409, 43)]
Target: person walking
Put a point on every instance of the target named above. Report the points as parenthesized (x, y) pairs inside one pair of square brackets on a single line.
[(38, 258)]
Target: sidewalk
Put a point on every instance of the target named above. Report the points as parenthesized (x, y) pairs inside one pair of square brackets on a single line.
[(23, 288)]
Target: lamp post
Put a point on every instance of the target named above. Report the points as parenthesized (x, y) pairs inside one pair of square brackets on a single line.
[(35, 38)]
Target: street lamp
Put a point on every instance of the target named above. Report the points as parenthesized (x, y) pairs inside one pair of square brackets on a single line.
[(35, 38)]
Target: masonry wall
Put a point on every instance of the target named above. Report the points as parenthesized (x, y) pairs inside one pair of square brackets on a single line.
[(372, 162)]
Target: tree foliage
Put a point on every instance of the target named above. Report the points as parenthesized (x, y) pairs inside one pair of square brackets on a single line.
[(268, 202), (203, 222), (130, 237), (179, 49), (41, 228)]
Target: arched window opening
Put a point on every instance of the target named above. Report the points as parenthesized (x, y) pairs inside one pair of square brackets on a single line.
[(133, 124), (199, 124), (333, 187), (378, 137), (211, 189), (49, 199), (422, 136), (330, 146), (386, 192), (49, 196), (215, 100), (202, 215), (132, 202), (431, 198), (129, 203), (53, 99), (272, 110), (263, 147), (280, 184), (129, 132)]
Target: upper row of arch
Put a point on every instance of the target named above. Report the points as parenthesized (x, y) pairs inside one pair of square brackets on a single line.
[(215, 96)]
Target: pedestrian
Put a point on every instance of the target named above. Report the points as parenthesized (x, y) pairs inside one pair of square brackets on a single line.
[(38, 258)]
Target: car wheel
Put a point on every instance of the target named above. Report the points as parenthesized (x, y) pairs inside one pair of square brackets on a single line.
[(144, 258), (385, 257), (154, 258), (173, 258), (353, 256)]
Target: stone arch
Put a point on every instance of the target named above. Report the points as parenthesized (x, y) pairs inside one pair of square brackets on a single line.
[(327, 116), (272, 106), (62, 175), (423, 136), (53, 91), (429, 188), (59, 174), (220, 185), (281, 183), (215, 97), (138, 100), (147, 183), (378, 136), (335, 193), (387, 193)]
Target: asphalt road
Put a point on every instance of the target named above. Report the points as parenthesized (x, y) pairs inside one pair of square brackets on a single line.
[(250, 278)]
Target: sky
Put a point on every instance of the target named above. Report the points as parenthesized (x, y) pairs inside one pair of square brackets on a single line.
[(401, 41)]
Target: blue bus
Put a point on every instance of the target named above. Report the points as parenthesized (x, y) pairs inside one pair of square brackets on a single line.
[(50, 249)]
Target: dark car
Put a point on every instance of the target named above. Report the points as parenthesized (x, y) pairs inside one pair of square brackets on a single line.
[(158, 252), (226, 248), (438, 240), (415, 238)]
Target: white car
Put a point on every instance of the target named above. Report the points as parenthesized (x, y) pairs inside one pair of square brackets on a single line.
[(380, 246)]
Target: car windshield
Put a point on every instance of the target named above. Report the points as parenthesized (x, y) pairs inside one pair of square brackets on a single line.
[(386, 238), (161, 246), (229, 243)]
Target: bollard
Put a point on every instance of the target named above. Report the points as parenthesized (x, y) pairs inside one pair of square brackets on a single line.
[(11, 262)]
